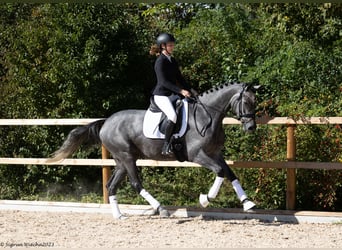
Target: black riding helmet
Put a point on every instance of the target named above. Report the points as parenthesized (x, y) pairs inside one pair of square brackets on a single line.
[(165, 38)]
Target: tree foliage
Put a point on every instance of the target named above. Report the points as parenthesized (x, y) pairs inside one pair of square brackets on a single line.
[(90, 60)]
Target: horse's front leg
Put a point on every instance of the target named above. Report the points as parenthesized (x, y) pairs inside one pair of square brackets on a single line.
[(213, 191), (219, 166), (247, 204)]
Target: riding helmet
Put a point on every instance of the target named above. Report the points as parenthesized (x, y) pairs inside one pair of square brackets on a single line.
[(165, 38)]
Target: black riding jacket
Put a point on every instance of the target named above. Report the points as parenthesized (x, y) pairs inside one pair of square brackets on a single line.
[(169, 78)]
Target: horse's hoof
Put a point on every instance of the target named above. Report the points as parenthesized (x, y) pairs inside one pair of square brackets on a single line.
[(120, 217), (163, 213), (203, 199), (247, 205)]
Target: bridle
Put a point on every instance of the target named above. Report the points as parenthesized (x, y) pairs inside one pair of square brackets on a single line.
[(241, 116), (244, 118)]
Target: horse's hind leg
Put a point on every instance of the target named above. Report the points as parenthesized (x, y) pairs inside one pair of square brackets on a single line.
[(137, 185), (112, 187)]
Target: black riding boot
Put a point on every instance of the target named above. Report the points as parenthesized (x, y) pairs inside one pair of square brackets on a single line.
[(168, 133)]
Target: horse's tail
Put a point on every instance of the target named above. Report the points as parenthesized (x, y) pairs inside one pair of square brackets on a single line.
[(88, 134)]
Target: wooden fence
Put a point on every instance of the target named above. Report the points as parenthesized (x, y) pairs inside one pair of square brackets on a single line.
[(290, 164)]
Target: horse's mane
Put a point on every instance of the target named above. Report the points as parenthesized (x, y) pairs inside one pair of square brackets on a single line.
[(218, 87)]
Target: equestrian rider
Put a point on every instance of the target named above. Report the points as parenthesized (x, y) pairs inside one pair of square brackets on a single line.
[(169, 81)]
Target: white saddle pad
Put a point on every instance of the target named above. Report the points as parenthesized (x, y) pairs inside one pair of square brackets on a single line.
[(152, 120)]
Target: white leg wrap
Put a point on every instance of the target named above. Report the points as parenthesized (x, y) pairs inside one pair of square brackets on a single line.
[(215, 187), (239, 191), (153, 202), (115, 207), (204, 200), (247, 205)]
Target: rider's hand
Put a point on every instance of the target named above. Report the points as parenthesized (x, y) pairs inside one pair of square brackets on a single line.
[(185, 93), (194, 92)]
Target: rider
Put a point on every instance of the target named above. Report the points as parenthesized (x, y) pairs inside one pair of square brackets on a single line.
[(169, 81)]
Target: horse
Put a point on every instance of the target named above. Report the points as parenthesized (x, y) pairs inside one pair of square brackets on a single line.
[(122, 135)]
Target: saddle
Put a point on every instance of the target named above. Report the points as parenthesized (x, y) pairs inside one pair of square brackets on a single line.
[(177, 105), (154, 124)]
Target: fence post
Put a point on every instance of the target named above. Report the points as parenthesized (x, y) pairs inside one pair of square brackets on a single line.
[(106, 172), (291, 172)]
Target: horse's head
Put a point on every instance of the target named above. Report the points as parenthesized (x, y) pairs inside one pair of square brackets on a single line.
[(244, 107)]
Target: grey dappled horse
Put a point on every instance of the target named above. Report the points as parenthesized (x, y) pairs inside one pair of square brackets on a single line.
[(122, 135)]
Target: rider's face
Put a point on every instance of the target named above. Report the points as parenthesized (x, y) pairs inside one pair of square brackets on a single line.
[(169, 47)]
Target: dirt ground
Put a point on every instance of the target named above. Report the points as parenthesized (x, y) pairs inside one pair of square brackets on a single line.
[(88, 230)]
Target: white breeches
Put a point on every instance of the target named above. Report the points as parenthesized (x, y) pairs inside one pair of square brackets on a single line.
[(164, 103)]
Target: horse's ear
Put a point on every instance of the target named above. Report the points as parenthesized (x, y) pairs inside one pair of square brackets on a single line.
[(252, 87), (255, 88)]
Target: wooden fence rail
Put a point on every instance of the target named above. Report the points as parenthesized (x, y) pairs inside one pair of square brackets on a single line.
[(226, 121), (290, 164)]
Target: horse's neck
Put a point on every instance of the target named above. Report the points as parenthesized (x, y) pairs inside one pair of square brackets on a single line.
[(219, 99)]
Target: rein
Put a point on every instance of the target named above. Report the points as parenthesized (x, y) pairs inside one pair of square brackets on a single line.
[(204, 129)]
